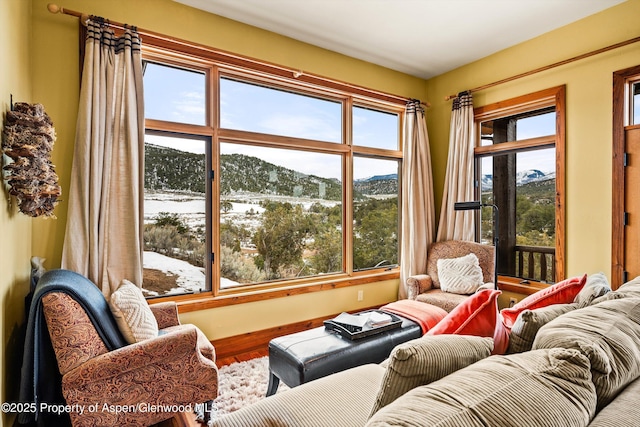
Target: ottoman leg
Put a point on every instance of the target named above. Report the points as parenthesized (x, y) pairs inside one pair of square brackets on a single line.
[(274, 382)]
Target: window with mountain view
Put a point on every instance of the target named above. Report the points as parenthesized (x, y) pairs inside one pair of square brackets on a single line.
[(175, 214), (273, 190), (516, 168)]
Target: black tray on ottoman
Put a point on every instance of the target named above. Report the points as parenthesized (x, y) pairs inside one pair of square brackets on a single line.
[(355, 332)]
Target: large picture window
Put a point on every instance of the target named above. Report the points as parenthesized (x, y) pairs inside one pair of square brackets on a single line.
[(257, 182), (520, 169)]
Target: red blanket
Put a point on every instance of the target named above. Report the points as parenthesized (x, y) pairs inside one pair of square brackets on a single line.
[(425, 315)]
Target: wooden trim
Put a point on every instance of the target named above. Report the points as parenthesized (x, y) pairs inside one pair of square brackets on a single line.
[(259, 340), (245, 63), (286, 142), (519, 286), (560, 100), (520, 104), (521, 145), (206, 300), (620, 109), (545, 98), (551, 66)]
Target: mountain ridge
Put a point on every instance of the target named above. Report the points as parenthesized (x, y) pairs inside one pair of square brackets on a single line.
[(175, 170)]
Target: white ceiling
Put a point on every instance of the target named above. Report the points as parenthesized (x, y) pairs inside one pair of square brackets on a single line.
[(423, 38)]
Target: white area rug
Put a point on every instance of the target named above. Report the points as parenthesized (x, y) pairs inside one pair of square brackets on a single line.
[(241, 384)]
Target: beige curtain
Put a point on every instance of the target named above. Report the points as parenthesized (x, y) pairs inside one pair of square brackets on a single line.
[(103, 239), (418, 212), (458, 182)]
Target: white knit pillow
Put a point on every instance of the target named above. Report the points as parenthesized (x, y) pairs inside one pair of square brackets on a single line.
[(460, 275), (132, 313)]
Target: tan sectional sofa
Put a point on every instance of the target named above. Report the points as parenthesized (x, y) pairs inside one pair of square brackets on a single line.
[(577, 367)]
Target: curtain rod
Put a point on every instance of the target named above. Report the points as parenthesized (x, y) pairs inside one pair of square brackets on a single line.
[(298, 74), (550, 66)]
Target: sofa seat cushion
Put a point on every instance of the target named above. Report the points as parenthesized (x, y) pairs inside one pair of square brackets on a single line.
[(427, 359), (343, 399), (536, 388), (446, 300), (622, 411), (608, 333)]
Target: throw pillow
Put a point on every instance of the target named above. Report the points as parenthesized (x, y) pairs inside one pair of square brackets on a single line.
[(608, 333), (560, 293), (524, 330), (630, 289), (132, 313), (461, 275), (478, 316), (534, 389), (427, 359), (596, 286)]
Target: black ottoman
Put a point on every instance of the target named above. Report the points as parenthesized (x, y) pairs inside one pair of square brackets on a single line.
[(304, 356)]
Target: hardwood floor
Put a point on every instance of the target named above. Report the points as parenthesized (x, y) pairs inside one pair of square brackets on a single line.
[(242, 357)]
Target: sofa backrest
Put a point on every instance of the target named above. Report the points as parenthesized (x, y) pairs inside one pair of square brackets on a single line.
[(608, 333)]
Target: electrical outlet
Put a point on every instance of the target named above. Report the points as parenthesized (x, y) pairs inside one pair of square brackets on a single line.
[(512, 301), (360, 295)]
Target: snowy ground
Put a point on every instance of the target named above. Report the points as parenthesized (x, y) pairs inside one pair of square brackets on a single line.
[(189, 277), (192, 210)]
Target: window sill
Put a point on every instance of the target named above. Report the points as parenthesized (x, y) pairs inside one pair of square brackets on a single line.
[(520, 286), (206, 300)]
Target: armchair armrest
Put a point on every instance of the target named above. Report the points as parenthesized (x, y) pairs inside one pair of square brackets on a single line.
[(166, 314), (418, 284), (178, 347)]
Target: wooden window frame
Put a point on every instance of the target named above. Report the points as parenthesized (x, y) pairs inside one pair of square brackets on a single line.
[(216, 63), (534, 101), (621, 120)]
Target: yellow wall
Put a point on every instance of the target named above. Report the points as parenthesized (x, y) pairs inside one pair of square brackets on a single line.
[(589, 117), (55, 84), (15, 228)]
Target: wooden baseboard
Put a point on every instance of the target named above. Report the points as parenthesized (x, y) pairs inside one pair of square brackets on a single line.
[(259, 340)]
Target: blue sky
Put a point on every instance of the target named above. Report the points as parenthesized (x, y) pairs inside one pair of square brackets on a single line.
[(179, 95)]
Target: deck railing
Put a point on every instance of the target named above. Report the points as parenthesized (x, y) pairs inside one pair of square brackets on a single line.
[(536, 263)]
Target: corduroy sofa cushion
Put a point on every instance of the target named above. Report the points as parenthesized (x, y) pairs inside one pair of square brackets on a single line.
[(536, 388), (528, 322), (609, 334), (427, 359), (342, 399), (596, 286), (630, 289), (623, 411)]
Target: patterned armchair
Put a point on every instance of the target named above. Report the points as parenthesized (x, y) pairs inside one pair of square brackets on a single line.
[(138, 384), (426, 287)]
